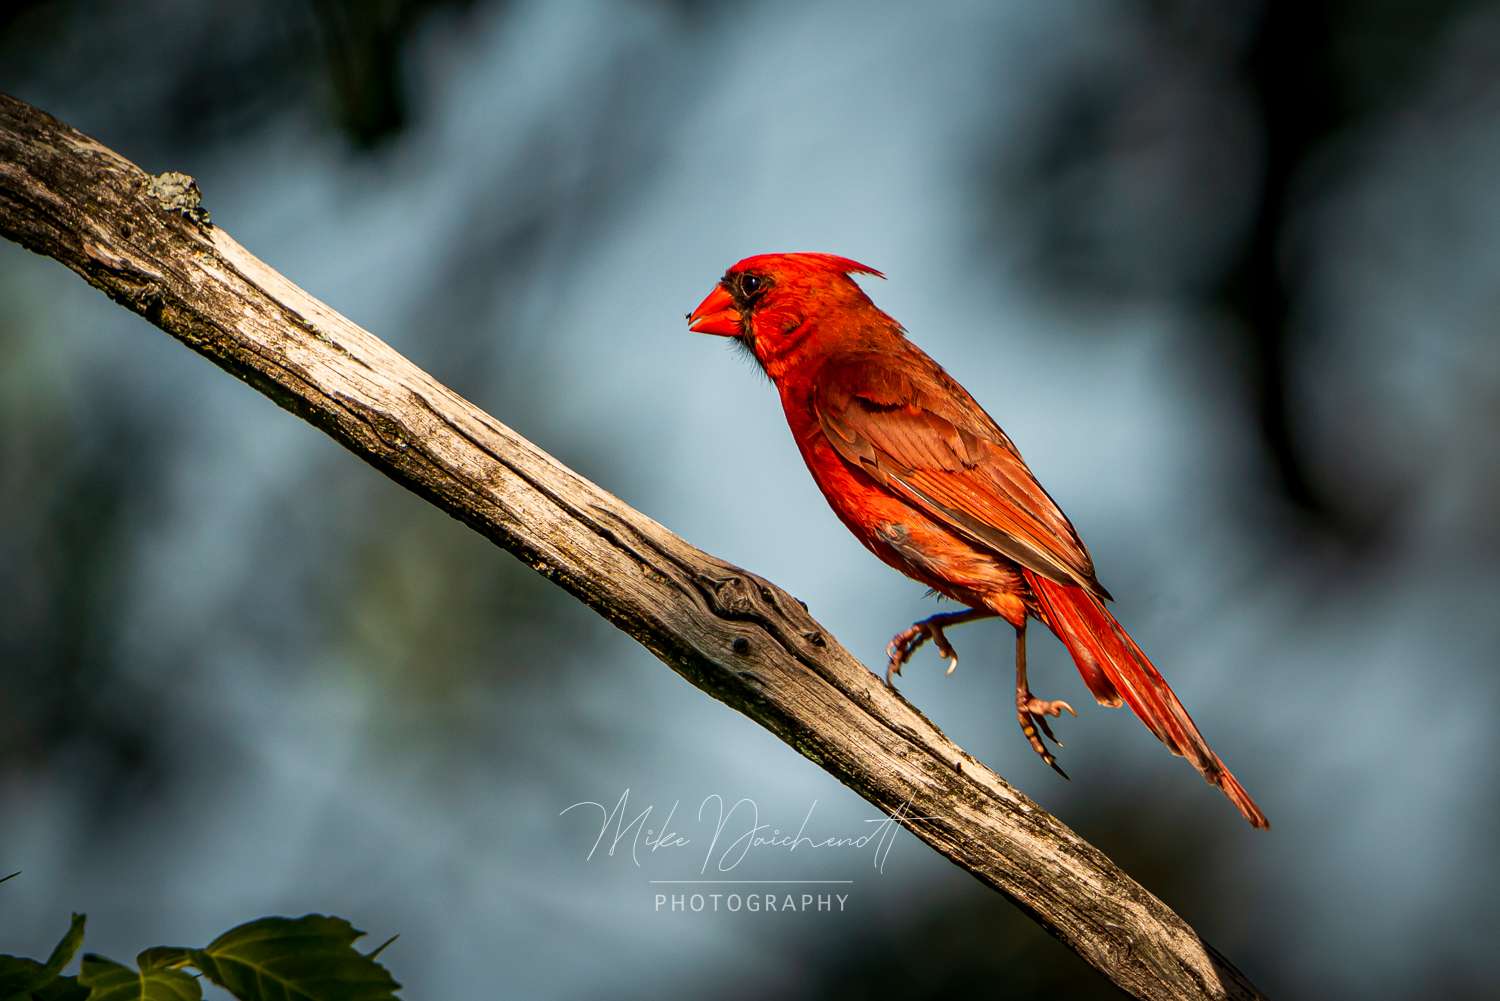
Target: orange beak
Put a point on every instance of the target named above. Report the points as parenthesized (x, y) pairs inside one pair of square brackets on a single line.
[(716, 315)]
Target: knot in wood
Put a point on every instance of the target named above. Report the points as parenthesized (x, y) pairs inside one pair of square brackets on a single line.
[(731, 597)]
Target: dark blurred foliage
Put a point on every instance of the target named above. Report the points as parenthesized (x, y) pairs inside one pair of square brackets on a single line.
[(77, 485), (429, 614), (1191, 168), (226, 67), (1317, 69)]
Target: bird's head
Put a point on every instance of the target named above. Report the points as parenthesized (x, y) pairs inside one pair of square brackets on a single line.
[(766, 302)]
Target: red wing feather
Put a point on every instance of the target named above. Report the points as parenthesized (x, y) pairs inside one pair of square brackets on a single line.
[(917, 432)]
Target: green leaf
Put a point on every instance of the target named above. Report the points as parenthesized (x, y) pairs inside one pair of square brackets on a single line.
[(311, 958), (63, 954), (61, 989), (21, 976), (163, 957), (109, 981)]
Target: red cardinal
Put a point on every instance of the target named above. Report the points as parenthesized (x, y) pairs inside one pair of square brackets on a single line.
[(930, 484)]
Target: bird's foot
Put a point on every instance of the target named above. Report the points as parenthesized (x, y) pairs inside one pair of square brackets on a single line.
[(908, 641), (1033, 713)]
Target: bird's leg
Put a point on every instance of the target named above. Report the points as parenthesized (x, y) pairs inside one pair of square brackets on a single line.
[(906, 643), (1032, 711)]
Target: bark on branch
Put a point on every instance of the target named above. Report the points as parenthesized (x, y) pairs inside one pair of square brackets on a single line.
[(145, 243)]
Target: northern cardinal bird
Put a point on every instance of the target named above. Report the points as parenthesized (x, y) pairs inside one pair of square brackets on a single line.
[(930, 484)]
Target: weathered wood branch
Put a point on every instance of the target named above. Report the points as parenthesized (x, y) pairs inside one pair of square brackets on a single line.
[(741, 639)]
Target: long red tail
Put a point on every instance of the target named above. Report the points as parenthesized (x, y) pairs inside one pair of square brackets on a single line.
[(1113, 666)]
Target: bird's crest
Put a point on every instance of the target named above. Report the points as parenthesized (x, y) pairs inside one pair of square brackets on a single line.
[(807, 262)]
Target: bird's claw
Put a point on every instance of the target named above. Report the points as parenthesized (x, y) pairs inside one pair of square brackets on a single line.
[(1032, 704), (1032, 713), (908, 641), (899, 650), (894, 667)]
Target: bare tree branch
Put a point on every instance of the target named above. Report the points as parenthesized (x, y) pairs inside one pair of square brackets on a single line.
[(146, 244)]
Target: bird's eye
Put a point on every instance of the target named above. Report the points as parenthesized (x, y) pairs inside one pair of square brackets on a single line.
[(750, 284)]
